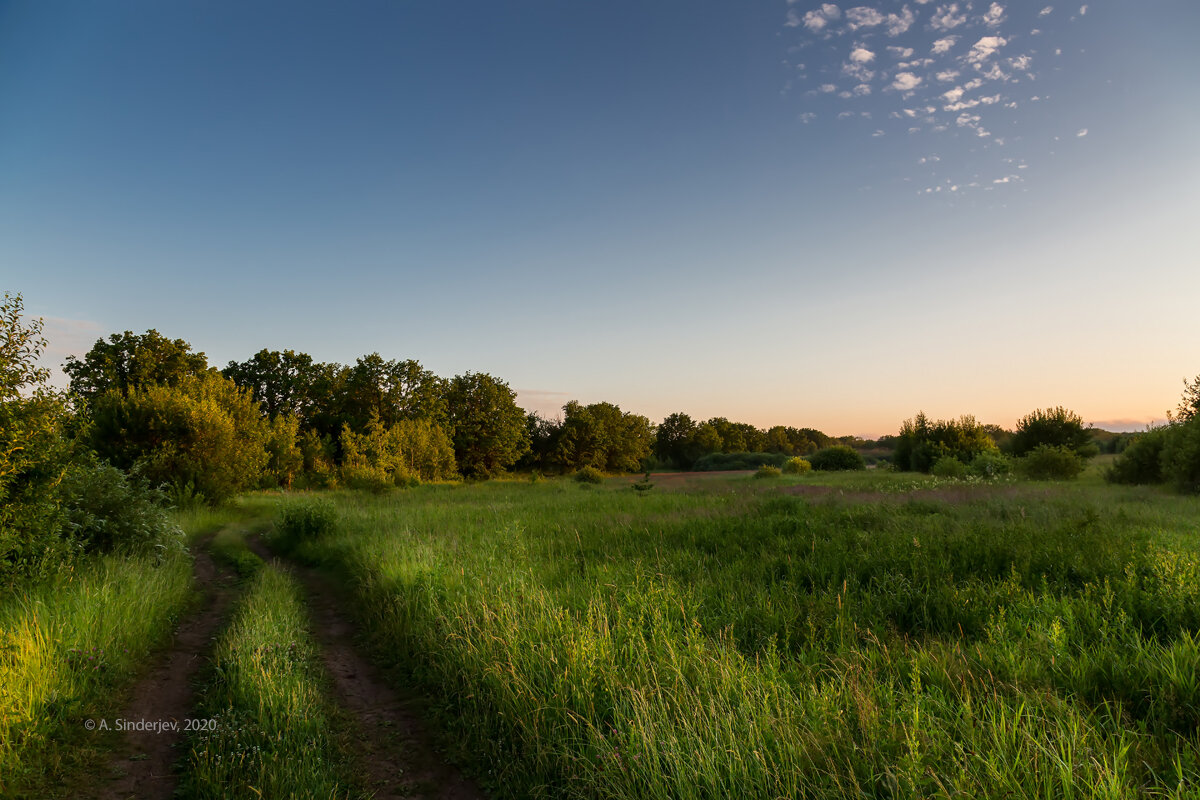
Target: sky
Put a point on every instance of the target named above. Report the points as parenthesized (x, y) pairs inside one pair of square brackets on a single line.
[(779, 212)]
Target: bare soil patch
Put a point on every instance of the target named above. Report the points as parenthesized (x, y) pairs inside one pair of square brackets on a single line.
[(143, 762), (392, 746)]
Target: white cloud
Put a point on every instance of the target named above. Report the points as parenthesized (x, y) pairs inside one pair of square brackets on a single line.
[(1021, 62), (858, 72), (1045, 11), (994, 15), (861, 55), (877, 133), (900, 52), (807, 117), (954, 95), (862, 89), (943, 45), (906, 81), (967, 120), (1082, 132), (947, 75), (1083, 10), (974, 83), (828, 88), (844, 114), (947, 17), (916, 62), (863, 17), (929, 159), (984, 48), (817, 19), (899, 23)]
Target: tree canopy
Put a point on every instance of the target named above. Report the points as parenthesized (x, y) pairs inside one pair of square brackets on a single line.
[(128, 360)]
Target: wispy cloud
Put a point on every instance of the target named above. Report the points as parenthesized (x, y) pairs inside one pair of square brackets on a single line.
[(984, 48), (863, 17), (947, 17), (1082, 132), (906, 81)]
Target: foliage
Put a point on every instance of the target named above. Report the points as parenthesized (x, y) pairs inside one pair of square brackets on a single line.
[(949, 467), (130, 361), (1140, 461), (488, 427), (922, 442), (721, 462), (589, 475), (1055, 427), (600, 435), (107, 511), (204, 431), (396, 454), (673, 440), (391, 391), (282, 382), (837, 457), (1181, 455), (990, 464), (797, 466), (768, 471), (1189, 403), (1051, 463), (285, 459), (34, 453)]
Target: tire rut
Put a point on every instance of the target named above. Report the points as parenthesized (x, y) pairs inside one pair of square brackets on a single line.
[(143, 764), (393, 746)]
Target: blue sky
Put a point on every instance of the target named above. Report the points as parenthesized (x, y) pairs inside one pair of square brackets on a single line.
[(770, 211)]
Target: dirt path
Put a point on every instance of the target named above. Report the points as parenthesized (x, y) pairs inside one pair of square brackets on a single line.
[(143, 763), (393, 745)]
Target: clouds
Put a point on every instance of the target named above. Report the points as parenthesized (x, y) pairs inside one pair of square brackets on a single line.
[(817, 19), (861, 55), (863, 17), (947, 18), (984, 49), (943, 45), (906, 81), (994, 15)]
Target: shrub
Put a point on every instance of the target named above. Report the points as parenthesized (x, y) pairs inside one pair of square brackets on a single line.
[(797, 466), (949, 467), (1055, 427), (301, 520), (589, 475), (767, 471), (1140, 461), (837, 457), (108, 512), (366, 478), (1181, 456), (990, 465), (923, 441), (720, 462), (1049, 462)]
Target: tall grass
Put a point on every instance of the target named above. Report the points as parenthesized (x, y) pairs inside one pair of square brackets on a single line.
[(66, 644), (272, 733), (734, 641)]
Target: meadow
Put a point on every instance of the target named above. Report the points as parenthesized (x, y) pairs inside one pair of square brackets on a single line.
[(856, 635)]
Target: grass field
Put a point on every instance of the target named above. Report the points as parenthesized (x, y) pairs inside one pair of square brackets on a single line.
[(883, 635)]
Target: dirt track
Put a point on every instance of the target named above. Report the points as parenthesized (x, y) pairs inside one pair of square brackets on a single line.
[(392, 745), (143, 762)]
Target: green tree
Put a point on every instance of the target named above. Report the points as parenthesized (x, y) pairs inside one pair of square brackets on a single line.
[(281, 381), (600, 435), (1189, 403), (204, 432), (393, 390), (1054, 427), (34, 454), (488, 428), (672, 440), (922, 442), (128, 361)]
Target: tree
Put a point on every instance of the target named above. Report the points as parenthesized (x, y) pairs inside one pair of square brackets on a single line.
[(204, 432), (488, 427), (602, 436), (394, 390), (281, 381), (1189, 403), (672, 439), (128, 360), (922, 442), (1054, 427), (34, 454)]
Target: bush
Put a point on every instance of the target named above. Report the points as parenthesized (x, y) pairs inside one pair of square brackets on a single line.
[(108, 512), (302, 520), (1054, 427), (767, 471), (949, 467), (797, 466), (366, 478), (838, 457), (922, 442), (1140, 461), (720, 462), (1050, 463), (1181, 456), (990, 465), (589, 475)]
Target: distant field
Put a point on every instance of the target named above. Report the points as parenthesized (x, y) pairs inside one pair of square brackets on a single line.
[(871, 634)]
